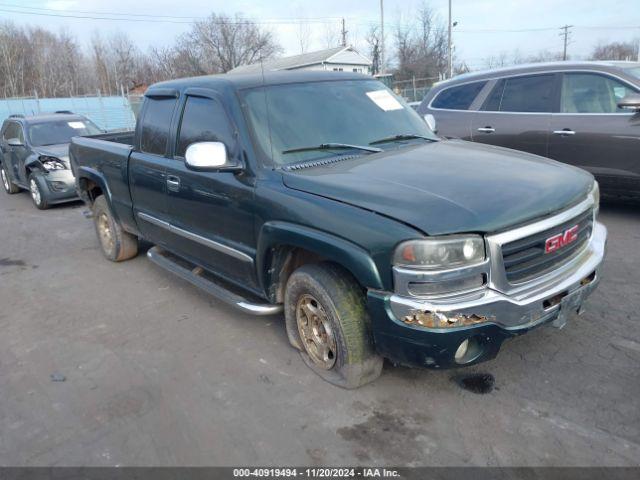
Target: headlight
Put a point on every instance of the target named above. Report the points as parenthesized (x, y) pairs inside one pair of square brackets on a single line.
[(595, 194), (52, 163), (440, 253)]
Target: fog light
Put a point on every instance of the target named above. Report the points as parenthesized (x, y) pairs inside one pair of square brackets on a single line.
[(57, 186), (462, 351)]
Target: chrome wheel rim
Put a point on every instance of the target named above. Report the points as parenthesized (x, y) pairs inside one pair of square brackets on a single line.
[(104, 232), (5, 180), (35, 191), (316, 332)]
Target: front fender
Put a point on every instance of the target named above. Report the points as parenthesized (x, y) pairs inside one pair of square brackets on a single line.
[(343, 252), (32, 162)]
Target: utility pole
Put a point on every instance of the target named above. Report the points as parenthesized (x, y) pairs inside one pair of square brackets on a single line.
[(344, 34), (450, 65), (382, 65), (565, 33)]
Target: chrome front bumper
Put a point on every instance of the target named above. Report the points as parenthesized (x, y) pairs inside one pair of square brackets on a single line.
[(522, 308)]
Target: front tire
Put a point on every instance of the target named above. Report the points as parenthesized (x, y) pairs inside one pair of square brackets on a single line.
[(38, 191), (8, 185), (117, 245), (326, 319)]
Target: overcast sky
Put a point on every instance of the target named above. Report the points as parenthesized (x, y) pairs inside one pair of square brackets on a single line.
[(485, 27)]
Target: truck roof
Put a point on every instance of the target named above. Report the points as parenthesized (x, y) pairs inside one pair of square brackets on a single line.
[(241, 81)]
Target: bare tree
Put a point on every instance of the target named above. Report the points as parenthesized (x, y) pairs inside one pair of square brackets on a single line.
[(374, 39), (616, 51), (304, 36), (421, 46), (223, 43), (332, 37), (504, 59)]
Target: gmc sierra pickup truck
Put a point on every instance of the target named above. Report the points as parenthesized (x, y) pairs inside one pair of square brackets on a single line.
[(325, 196)]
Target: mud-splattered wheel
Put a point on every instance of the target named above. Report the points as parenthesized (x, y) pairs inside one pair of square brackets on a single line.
[(327, 321), (117, 245), (316, 332)]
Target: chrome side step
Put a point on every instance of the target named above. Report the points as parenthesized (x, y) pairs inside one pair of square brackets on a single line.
[(195, 276)]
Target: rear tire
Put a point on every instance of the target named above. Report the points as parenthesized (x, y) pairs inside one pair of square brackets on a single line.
[(327, 321), (8, 185), (116, 244), (38, 191)]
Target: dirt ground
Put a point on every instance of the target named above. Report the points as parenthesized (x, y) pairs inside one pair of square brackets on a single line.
[(158, 373)]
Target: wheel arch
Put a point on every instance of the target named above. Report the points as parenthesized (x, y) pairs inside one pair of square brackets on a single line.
[(283, 247), (91, 184)]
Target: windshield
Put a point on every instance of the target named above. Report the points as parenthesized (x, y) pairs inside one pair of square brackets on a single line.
[(60, 131), (353, 112)]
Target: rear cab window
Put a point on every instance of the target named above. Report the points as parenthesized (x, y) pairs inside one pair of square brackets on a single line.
[(155, 128), (526, 94), (458, 98)]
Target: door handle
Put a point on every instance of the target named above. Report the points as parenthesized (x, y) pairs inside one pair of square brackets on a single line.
[(566, 131), (173, 183), (487, 129)]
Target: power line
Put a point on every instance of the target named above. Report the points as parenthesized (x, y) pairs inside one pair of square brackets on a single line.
[(154, 18), (80, 14)]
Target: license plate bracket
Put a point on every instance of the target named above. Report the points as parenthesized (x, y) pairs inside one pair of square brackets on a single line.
[(569, 304)]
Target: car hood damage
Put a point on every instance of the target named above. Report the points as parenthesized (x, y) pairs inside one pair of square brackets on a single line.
[(448, 186), (60, 152)]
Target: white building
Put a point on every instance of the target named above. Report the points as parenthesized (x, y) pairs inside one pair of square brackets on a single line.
[(345, 59)]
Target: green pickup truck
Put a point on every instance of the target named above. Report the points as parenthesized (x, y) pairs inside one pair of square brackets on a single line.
[(323, 195)]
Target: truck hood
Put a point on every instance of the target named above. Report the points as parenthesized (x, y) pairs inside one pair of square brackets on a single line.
[(448, 186)]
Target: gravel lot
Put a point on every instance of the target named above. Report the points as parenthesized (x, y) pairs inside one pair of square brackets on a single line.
[(158, 373)]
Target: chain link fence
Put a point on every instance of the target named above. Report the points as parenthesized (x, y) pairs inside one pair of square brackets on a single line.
[(415, 89)]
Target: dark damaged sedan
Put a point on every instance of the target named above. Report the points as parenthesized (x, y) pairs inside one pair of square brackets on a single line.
[(325, 196), (35, 155)]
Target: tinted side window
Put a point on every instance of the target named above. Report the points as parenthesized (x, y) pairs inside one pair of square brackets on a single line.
[(156, 123), (458, 98), (525, 94), (203, 120), (592, 93), (492, 103)]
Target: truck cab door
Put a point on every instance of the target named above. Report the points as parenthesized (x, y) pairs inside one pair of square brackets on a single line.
[(147, 166), (211, 211)]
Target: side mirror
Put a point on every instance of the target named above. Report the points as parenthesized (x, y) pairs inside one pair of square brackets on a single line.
[(631, 102), (431, 122), (208, 156), (15, 142)]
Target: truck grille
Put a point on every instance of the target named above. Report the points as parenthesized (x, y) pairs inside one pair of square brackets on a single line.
[(526, 257)]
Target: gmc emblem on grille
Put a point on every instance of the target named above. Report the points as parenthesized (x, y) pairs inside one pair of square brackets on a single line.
[(560, 240)]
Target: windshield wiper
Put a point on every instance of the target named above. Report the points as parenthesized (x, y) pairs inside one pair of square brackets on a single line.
[(332, 146), (402, 136)]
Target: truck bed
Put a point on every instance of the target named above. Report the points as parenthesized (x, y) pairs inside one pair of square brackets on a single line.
[(105, 158)]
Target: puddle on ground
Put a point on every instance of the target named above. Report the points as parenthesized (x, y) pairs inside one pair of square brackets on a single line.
[(480, 383)]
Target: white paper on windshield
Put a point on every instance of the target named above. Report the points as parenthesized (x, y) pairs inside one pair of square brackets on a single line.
[(76, 125), (384, 100)]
